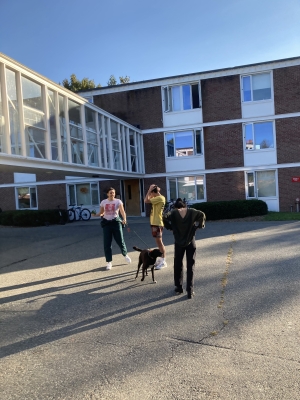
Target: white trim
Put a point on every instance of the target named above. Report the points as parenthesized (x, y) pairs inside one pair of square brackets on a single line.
[(225, 122), (179, 79)]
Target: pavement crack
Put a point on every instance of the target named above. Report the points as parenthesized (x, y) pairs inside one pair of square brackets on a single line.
[(190, 341)]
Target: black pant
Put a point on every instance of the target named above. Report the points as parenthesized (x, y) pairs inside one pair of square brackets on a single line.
[(190, 265)]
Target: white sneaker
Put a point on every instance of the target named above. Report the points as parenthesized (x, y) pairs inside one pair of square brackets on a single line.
[(127, 258), (162, 264), (108, 265)]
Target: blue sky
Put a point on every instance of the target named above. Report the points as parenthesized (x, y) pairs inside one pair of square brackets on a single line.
[(146, 39)]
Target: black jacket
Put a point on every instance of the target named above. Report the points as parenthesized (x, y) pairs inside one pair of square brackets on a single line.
[(184, 228)]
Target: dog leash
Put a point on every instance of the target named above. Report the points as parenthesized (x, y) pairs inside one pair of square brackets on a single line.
[(129, 231)]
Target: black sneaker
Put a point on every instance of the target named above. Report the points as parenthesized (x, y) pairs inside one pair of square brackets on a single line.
[(190, 294), (178, 290)]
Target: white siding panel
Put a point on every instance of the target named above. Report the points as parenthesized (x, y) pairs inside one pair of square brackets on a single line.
[(182, 118), (188, 164)]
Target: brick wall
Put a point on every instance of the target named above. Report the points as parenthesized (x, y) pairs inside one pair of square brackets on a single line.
[(221, 98), (288, 190), (154, 153), (160, 182), (287, 89), (225, 186), (50, 196), (223, 146), (51, 176), (140, 107), (288, 140), (7, 199), (6, 177), (104, 185)]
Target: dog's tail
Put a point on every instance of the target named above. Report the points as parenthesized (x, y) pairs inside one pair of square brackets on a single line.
[(137, 249)]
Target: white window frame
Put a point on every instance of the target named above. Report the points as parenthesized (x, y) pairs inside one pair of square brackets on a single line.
[(253, 136), (17, 199), (256, 189), (167, 97), (75, 193), (195, 154), (195, 186), (251, 84)]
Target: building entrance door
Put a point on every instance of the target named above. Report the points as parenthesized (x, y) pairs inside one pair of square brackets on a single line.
[(132, 198)]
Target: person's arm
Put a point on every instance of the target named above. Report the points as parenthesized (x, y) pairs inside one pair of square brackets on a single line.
[(167, 221), (200, 219), (100, 213), (123, 213), (149, 195)]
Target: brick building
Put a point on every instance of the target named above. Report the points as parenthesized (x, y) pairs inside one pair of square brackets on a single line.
[(226, 134)]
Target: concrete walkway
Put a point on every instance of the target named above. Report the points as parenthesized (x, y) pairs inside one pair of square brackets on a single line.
[(71, 330)]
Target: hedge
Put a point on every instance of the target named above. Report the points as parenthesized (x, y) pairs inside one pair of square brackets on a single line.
[(33, 217), (232, 209)]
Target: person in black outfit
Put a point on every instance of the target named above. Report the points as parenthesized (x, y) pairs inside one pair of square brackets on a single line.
[(184, 222)]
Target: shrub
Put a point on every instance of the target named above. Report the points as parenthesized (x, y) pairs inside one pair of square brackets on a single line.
[(33, 217), (6, 218), (232, 209)]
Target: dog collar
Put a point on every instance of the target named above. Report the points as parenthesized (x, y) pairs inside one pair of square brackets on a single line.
[(149, 254)]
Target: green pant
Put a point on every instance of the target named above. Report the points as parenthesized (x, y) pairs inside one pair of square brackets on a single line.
[(112, 229)]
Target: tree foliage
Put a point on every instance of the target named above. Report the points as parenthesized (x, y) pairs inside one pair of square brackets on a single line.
[(75, 84), (112, 81), (122, 79)]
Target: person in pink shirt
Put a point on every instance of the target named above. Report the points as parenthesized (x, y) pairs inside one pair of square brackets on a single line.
[(112, 225)]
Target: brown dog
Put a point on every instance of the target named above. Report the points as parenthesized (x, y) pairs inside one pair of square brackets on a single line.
[(147, 258)]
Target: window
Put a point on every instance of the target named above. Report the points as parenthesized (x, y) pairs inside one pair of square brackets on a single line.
[(2, 136), (13, 109), (184, 143), (75, 132), (259, 135), (133, 156), (261, 184), (26, 198), (91, 135), (63, 128), (115, 144), (180, 98), (256, 87), (189, 187), (52, 121), (90, 99), (35, 132), (86, 194)]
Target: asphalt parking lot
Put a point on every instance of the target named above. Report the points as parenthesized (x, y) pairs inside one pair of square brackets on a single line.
[(71, 330)]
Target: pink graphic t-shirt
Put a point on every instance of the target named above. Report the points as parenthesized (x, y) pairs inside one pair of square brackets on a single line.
[(111, 208)]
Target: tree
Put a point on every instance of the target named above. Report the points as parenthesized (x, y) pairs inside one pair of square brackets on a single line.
[(75, 84), (112, 81), (123, 79)]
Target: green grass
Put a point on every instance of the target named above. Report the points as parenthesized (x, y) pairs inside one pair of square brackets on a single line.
[(282, 216)]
